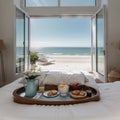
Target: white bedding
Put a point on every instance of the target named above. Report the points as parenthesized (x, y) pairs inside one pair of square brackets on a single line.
[(108, 108)]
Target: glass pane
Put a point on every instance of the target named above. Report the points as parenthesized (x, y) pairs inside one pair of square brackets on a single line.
[(78, 2), (19, 41), (40, 3), (94, 44), (26, 43), (100, 42)]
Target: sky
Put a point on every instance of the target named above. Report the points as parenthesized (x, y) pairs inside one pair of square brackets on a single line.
[(60, 32)]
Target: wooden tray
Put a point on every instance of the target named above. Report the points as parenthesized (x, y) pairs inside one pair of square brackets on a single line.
[(59, 100)]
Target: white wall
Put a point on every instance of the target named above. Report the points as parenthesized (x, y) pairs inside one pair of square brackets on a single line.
[(104, 2), (113, 34), (17, 3), (7, 33)]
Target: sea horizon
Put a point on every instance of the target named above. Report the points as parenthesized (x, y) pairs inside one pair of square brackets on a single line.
[(62, 50)]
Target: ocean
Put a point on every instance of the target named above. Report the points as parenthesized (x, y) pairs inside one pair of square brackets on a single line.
[(63, 50)]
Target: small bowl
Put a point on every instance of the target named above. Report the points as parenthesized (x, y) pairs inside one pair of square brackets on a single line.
[(75, 86)]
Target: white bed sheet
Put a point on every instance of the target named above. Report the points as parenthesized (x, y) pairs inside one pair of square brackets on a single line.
[(108, 108)]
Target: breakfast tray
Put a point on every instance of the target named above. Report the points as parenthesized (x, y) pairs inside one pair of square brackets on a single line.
[(40, 99)]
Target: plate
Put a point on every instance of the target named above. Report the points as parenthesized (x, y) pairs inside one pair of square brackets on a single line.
[(46, 94), (78, 96)]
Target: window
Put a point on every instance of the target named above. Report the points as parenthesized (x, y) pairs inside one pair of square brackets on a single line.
[(41, 3), (77, 2), (62, 3)]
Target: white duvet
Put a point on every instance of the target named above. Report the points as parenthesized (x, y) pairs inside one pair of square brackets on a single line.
[(108, 108)]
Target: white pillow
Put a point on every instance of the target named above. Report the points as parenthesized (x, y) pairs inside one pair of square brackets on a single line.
[(57, 77), (75, 77), (42, 76), (90, 80)]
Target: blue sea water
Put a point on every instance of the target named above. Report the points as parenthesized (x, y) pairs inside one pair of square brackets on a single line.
[(63, 50)]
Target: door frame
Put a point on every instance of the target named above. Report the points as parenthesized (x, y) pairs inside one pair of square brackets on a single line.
[(25, 16)]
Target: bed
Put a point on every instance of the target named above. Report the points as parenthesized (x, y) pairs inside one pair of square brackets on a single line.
[(108, 108)]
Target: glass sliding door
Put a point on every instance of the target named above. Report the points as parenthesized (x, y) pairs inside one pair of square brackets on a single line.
[(22, 41), (100, 40), (26, 43), (93, 43), (20, 30)]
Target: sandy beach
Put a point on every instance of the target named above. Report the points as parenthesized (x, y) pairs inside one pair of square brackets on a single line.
[(68, 63)]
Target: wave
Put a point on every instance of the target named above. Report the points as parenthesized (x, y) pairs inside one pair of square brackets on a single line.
[(57, 53)]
